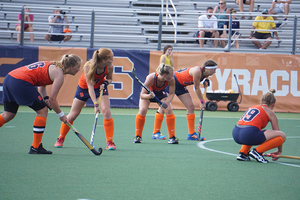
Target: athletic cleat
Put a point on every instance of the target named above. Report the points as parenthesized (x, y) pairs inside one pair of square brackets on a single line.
[(192, 136), (243, 157), (110, 146), (258, 156), (173, 140), (59, 142), (137, 139), (39, 150), (158, 136)]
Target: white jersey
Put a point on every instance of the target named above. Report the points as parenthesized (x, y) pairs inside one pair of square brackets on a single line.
[(205, 22)]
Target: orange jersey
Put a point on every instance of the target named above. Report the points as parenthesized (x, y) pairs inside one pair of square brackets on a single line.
[(36, 73), (154, 86), (255, 116), (184, 78), (99, 79)]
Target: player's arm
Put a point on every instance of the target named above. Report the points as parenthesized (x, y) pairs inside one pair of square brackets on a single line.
[(108, 78), (57, 76), (171, 91), (148, 83), (89, 84), (196, 73)]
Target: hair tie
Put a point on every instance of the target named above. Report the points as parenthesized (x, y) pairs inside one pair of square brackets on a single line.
[(67, 55), (97, 51)]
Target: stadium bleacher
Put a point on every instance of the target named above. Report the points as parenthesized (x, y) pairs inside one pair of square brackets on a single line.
[(134, 24)]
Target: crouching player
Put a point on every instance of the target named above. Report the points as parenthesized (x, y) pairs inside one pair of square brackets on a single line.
[(248, 131)]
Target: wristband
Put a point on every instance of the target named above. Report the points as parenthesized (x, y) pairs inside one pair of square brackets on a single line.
[(202, 101), (61, 114), (105, 84), (96, 104), (46, 97)]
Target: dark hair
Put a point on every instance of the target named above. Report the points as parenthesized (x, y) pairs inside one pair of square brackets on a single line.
[(269, 98), (209, 8), (209, 63), (166, 48), (232, 10)]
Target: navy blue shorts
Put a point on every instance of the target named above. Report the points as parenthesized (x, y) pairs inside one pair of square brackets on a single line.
[(248, 135), (83, 94), (160, 95), (179, 89), (18, 92)]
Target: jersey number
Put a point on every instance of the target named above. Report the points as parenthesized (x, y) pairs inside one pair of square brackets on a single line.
[(36, 65), (250, 115)]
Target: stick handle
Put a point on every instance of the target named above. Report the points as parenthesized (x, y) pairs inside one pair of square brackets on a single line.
[(281, 156)]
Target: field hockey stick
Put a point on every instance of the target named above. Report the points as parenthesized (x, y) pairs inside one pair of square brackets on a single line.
[(163, 105), (97, 153), (96, 119), (201, 120), (280, 156)]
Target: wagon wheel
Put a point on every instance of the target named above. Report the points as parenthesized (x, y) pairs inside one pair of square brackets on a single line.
[(206, 105), (212, 106), (232, 106), (228, 106)]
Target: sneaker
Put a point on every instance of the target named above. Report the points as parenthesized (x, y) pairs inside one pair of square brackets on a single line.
[(192, 136), (39, 150), (59, 142), (173, 140), (281, 24), (158, 136), (250, 18), (110, 146), (137, 139), (61, 42), (243, 157), (258, 156)]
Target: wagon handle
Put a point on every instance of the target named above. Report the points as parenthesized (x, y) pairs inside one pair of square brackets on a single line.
[(238, 88)]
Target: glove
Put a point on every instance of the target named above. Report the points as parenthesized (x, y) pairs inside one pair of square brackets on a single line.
[(105, 84), (206, 82), (164, 105)]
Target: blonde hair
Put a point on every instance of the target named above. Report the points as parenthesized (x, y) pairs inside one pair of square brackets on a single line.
[(269, 98), (232, 10), (68, 61), (100, 55), (164, 69), (224, 1)]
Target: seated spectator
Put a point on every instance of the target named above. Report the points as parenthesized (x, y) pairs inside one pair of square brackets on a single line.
[(263, 34), (204, 22), (241, 6), (283, 6), (221, 8), (59, 17), (234, 25), (27, 27)]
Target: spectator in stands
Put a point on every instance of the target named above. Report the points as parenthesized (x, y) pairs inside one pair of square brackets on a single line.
[(206, 21), (234, 25), (221, 8), (27, 27), (241, 6), (263, 34), (167, 56), (59, 17), (283, 6)]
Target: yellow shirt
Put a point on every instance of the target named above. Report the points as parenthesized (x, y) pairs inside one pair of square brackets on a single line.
[(264, 25), (167, 60)]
